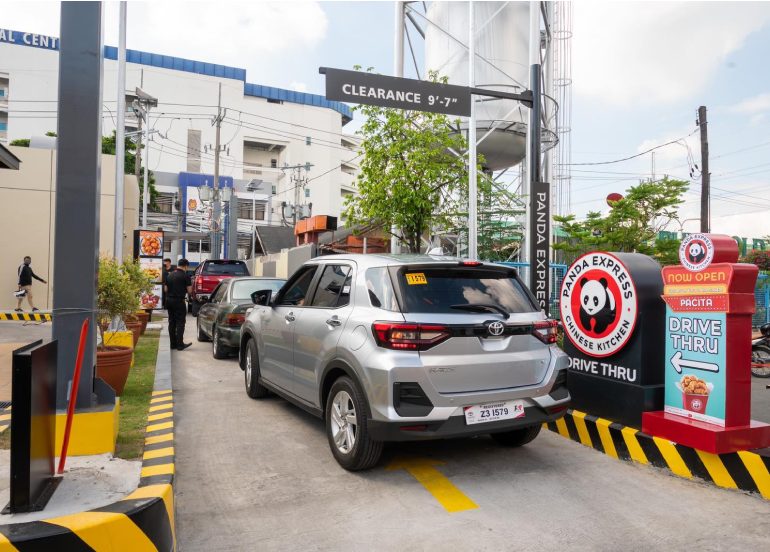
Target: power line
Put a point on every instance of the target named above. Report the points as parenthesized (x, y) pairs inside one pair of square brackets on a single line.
[(632, 156)]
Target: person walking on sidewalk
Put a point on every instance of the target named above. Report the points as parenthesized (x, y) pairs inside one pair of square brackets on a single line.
[(178, 286), (25, 284)]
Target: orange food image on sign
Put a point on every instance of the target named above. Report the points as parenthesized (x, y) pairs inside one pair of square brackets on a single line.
[(151, 246)]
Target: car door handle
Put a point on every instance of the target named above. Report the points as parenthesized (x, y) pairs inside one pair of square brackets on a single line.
[(290, 317), (334, 321)]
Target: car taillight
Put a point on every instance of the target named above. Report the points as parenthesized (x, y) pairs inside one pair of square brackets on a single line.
[(235, 319), (546, 331), (198, 281), (470, 263), (408, 336)]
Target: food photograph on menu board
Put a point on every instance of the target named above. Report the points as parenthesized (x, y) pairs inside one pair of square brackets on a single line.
[(150, 243), (152, 268), (152, 300)]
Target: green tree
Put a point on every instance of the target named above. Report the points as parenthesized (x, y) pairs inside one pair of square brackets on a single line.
[(633, 224), (409, 177)]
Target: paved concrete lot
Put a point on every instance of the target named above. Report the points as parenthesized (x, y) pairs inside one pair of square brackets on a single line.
[(258, 475), (12, 336)]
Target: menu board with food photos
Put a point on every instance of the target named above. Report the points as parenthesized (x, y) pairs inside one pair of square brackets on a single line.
[(148, 248)]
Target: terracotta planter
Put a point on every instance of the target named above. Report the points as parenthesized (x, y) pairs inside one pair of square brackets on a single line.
[(144, 318), (136, 329), (113, 365)]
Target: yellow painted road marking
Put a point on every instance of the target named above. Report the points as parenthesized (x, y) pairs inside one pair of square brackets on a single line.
[(5, 544), (161, 407), (672, 457), (159, 439), (633, 446), (4, 427), (163, 491), (580, 424), (604, 434), (561, 425), (159, 393), (716, 469), (162, 400), (156, 427), (4, 417), (157, 453), (162, 416), (161, 469), (435, 482), (758, 471), (105, 530)]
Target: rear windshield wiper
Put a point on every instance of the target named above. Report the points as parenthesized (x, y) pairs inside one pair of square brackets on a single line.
[(481, 307)]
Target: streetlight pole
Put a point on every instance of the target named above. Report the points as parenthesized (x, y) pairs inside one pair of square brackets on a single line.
[(473, 219), (120, 137)]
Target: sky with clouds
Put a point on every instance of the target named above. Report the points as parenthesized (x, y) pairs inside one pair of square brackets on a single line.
[(640, 71)]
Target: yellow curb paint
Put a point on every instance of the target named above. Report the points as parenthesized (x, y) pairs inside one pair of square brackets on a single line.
[(158, 407), (164, 491), (716, 469), (672, 457), (156, 427), (159, 439), (162, 416), (158, 453), (436, 483), (580, 424), (5, 544), (4, 427), (633, 446), (105, 530), (561, 426), (4, 417), (159, 400), (161, 469), (159, 393), (606, 438), (758, 471)]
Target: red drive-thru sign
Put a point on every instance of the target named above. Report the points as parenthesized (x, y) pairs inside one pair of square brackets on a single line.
[(709, 303)]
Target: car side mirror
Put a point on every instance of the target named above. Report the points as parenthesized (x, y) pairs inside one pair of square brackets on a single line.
[(262, 297)]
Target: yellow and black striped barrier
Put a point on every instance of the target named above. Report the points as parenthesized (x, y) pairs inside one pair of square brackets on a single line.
[(144, 520), (744, 470), (38, 316)]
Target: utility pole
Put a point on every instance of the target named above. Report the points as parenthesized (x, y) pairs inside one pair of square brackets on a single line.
[(217, 206), (705, 189), (473, 219), (398, 71), (120, 136), (146, 189)]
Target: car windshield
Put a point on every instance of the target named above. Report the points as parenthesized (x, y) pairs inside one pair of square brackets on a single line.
[(229, 269), (243, 289), (456, 290)]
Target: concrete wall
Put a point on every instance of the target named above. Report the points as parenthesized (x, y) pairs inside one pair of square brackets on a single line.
[(27, 220), (283, 264)]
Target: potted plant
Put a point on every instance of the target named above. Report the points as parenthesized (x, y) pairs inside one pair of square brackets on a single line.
[(116, 296), (137, 320)]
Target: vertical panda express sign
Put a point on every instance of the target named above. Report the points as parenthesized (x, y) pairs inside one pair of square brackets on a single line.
[(616, 368)]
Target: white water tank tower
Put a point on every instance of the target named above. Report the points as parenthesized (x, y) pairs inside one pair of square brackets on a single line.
[(502, 63)]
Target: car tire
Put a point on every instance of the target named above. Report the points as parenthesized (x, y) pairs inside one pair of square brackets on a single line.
[(346, 407), (218, 351), (202, 337), (517, 437), (254, 389), (195, 307)]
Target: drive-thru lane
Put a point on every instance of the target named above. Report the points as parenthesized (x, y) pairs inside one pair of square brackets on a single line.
[(258, 475)]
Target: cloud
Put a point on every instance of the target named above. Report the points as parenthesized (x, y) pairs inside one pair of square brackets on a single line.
[(752, 106), (298, 86), (628, 53), (673, 156), (218, 32)]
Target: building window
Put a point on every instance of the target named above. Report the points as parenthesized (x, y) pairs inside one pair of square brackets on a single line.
[(274, 163), (308, 140), (195, 247), (271, 100), (166, 246), (244, 210), (164, 203)]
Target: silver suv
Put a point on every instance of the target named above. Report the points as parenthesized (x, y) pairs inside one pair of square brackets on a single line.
[(402, 348)]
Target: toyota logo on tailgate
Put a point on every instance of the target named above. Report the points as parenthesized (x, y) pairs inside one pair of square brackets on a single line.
[(495, 328)]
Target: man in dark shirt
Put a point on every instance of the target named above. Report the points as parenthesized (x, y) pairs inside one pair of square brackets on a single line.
[(167, 269), (177, 286), (25, 283)]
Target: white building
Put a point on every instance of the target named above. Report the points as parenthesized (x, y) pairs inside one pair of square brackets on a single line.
[(263, 130)]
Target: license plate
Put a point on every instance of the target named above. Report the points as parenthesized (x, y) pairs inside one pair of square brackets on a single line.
[(493, 412)]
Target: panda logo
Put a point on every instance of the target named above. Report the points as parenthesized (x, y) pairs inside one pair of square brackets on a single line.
[(696, 253), (597, 305)]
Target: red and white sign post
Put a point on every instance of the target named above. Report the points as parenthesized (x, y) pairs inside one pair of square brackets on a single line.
[(709, 304)]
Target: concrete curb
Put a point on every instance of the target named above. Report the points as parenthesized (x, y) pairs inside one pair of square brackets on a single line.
[(144, 520), (744, 470)]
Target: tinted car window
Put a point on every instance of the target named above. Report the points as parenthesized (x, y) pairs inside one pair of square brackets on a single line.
[(331, 292), (219, 293), (437, 290), (233, 268), (242, 290), (381, 294), (297, 291)]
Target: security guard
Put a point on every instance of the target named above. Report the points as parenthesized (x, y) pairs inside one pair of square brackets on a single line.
[(178, 285)]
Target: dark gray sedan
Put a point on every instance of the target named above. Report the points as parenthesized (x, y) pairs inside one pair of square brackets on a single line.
[(220, 319)]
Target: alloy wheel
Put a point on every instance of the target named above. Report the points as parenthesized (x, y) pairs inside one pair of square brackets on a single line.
[(343, 422), (248, 367)]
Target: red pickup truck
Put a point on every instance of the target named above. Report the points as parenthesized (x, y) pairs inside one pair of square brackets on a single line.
[(207, 276)]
